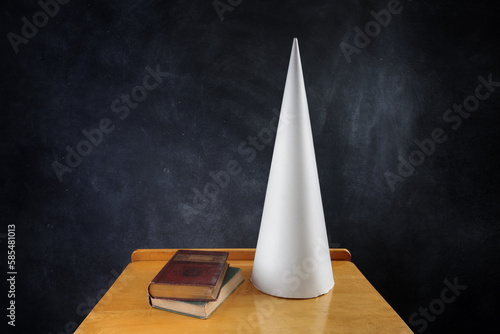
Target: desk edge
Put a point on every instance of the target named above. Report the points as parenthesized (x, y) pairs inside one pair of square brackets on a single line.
[(336, 254)]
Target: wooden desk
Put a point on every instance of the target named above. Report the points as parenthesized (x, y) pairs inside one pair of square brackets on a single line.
[(352, 306)]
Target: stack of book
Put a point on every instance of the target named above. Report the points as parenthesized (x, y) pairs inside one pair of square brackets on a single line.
[(194, 283)]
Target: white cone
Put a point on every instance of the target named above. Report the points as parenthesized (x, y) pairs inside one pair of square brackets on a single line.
[(292, 258)]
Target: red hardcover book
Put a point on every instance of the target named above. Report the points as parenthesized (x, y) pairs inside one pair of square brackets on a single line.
[(190, 275)]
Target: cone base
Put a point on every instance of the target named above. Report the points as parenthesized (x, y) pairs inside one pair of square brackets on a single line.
[(278, 293)]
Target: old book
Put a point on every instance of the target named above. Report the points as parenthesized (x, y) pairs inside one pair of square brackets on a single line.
[(200, 309), (190, 275)]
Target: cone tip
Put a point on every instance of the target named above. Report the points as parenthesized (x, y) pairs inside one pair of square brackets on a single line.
[(295, 45)]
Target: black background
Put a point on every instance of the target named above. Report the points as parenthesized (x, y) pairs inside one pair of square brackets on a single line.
[(224, 80)]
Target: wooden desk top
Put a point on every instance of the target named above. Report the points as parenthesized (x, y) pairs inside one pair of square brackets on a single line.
[(352, 306)]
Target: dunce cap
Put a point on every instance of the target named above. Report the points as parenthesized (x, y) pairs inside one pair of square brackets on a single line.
[(292, 258)]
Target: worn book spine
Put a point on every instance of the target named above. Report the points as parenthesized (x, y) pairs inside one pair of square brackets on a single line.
[(190, 274), (199, 309)]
